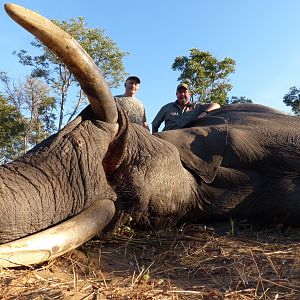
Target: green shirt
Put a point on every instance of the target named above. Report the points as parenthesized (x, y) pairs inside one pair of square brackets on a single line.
[(172, 114)]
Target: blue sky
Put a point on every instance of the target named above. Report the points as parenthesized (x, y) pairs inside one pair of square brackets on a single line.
[(263, 37)]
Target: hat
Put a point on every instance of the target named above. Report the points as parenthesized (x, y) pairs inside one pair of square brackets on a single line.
[(182, 85), (134, 78)]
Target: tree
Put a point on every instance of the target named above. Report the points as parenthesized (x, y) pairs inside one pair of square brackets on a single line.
[(292, 99), (12, 126), (33, 106), (235, 99), (38, 106), (206, 76), (102, 50)]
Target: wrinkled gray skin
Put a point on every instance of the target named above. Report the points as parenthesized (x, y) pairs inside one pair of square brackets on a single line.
[(240, 161)]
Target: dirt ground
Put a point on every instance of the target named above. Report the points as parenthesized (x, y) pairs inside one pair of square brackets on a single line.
[(193, 262)]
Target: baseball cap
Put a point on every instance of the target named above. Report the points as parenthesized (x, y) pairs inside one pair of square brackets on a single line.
[(182, 85), (134, 78)]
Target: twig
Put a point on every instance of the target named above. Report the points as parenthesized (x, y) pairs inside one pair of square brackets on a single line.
[(259, 275)]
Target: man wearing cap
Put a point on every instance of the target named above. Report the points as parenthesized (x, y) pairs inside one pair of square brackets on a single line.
[(133, 107), (171, 112)]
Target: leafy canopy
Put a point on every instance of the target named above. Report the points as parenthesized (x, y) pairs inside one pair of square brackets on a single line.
[(206, 75), (29, 105), (292, 99), (12, 126), (236, 99)]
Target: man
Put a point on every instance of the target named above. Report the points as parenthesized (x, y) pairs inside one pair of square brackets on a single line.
[(171, 112), (131, 105)]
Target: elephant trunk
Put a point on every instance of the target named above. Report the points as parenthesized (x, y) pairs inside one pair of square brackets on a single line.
[(73, 56)]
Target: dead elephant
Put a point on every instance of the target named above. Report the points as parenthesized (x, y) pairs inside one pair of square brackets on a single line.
[(241, 161)]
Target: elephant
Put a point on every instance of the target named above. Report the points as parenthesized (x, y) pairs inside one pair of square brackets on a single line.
[(240, 161)]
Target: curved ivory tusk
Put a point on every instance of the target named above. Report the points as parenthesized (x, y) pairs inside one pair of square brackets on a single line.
[(55, 241), (73, 56)]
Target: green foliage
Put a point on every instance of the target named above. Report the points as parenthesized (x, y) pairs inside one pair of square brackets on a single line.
[(235, 99), (102, 50), (292, 99), (12, 127), (27, 115), (206, 75), (38, 107)]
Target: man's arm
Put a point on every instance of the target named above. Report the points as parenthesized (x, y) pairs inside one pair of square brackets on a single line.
[(210, 107), (213, 106), (159, 118), (154, 129), (145, 124)]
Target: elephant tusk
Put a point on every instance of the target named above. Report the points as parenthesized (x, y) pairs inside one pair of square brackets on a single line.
[(73, 56), (55, 241)]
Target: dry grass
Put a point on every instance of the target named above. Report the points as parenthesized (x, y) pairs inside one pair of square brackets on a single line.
[(190, 263)]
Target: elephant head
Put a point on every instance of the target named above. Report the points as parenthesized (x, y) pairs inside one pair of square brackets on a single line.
[(240, 161), (68, 188), (69, 165)]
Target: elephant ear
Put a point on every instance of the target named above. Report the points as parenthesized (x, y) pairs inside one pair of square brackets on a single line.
[(201, 149)]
